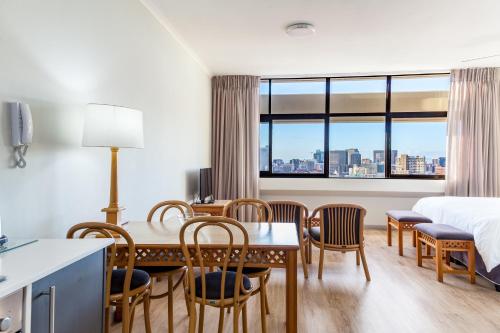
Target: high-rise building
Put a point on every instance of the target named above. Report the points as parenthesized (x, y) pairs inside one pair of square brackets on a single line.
[(264, 158), (319, 156), (394, 156), (355, 159), (296, 163), (338, 163), (379, 156), (349, 152), (310, 165), (402, 164), (442, 161), (416, 165)]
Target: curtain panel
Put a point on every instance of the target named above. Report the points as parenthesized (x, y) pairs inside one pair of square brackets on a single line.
[(473, 150), (235, 136)]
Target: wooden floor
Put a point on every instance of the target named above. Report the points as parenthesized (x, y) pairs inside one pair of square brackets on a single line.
[(401, 298)]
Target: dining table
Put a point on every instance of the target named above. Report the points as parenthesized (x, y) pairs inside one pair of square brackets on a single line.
[(269, 245)]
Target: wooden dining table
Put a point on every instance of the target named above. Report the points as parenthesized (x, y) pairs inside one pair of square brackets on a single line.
[(270, 245)]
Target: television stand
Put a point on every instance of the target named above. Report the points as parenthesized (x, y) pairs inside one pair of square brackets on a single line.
[(215, 208)]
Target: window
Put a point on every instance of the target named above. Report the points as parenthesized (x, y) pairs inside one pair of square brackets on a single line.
[(357, 95), (354, 127), (419, 146), (298, 96), (298, 146), (264, 147), (357, 147)]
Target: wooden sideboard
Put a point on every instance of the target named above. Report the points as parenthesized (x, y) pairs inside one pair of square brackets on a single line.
[(214, 209)]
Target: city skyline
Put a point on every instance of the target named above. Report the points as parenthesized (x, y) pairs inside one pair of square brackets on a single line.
[(350, 163), (292, 141)]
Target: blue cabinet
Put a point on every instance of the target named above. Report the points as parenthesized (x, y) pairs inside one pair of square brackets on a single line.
[(71, 299)]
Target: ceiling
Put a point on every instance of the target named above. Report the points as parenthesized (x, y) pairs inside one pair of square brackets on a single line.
[(352, 36)]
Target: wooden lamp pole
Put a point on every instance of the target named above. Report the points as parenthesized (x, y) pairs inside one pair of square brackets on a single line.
[(113, 211)]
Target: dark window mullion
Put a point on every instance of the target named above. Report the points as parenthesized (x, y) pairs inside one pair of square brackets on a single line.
[(326, 152), (388, 128)]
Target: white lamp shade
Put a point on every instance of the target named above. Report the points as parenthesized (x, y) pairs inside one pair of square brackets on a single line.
[(112, 126)]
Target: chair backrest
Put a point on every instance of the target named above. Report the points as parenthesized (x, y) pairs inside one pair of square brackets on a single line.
[(106, 230), (249, 210), (194, 256), (340, 224), (182, 206), (291, 212)]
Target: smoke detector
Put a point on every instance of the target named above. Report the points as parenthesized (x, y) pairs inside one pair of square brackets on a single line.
[(300, 29)]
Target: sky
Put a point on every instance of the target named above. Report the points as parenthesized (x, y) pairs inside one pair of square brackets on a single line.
[(412, 138)]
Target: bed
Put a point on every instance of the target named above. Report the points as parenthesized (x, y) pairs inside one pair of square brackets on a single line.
[(478, 216)]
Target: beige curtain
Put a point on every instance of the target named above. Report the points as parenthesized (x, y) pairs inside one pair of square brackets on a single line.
[(235, 136), (473, 152)]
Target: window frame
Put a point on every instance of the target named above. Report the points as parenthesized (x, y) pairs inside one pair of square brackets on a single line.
[(327, 115)]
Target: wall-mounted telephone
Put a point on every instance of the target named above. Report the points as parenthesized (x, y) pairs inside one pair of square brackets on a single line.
[(22, 130)]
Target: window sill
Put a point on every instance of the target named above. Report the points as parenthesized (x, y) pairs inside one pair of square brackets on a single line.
[(365, 187)]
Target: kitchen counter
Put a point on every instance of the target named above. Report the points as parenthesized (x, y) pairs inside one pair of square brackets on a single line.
[(24, 265)]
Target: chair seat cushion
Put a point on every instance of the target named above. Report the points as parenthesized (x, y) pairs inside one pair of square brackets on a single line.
[(407, 216), (248, 270), (315, 233), (444, 232), (158, 269), (306, 233), (213, 285), (139, 279)]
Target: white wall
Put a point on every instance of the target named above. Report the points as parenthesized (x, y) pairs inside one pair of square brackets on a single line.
[(376, 195), (59, 55)]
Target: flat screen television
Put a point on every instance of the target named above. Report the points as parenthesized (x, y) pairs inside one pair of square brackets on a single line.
[(206, 185)]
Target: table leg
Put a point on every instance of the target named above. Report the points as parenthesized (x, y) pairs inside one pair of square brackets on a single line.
[(291, 292)]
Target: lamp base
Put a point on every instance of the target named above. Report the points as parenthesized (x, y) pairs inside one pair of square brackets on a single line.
[(114, 215)]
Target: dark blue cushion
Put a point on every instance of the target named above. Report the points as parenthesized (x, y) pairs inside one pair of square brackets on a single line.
[(407, 216), (139, 278), (158, 269), (443, 232), (306, 233), (248, 270), (213, 285), (314, 232)]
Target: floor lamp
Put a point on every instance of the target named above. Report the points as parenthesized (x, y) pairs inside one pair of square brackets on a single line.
[(114, 127)]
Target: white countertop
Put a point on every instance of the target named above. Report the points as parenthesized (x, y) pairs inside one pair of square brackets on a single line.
[(27, 264)]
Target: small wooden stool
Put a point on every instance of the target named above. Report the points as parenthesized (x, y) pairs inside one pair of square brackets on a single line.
[(403, 220), (445, 239)]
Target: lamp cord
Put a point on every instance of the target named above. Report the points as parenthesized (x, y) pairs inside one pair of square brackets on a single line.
[(20, 151)]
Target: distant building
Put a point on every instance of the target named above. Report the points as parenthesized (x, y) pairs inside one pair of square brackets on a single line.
[(442, 162), (319, 156), (355, 159), (416, 165), (350, 152), (264, 158), (379, 156), (365, 161), (338, 163)]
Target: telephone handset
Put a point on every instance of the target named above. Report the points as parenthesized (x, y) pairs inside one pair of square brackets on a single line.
[(22, 130)]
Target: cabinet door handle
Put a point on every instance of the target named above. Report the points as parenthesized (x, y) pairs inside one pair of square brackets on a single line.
[(52, 308), (52, 313)]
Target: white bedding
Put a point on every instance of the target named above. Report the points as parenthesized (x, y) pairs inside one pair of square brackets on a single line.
[(479, 216)]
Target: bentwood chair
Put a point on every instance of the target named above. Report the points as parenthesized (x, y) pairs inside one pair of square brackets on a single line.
[(169, 272), (341, 228), (254, 210), (125, 287), (221, 289), (294, 212)]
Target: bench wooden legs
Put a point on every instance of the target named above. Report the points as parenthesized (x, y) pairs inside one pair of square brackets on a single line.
[(442, 255), (400, 227)]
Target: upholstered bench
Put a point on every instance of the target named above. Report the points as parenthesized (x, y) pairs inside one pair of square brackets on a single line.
[(445, 239), (403, 220)]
